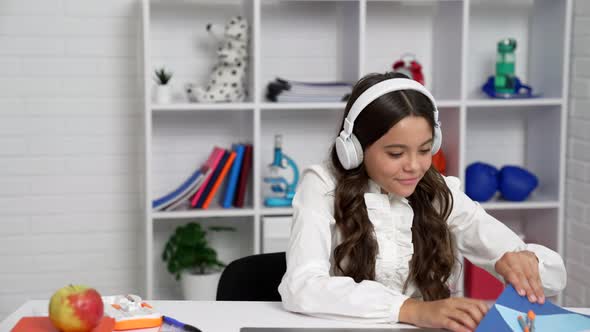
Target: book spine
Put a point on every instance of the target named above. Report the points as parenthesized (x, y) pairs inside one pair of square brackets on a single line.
[(232, 182), (219, 180), (244, 174), (212, 162), (212, 180)]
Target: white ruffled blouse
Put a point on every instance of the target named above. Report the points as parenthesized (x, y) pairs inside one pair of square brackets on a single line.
[(311, 285)]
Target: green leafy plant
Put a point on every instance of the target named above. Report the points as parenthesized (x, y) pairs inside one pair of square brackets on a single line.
[(162, 77), (187, 249)]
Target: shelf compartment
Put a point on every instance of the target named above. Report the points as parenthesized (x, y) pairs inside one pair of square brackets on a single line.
[(183, 142), (537, 25), (267, 211), (275, 233), (431, 30), (450, 123), (302, 106), (307, 138), (534, 202), (228, 245), (309, 41), (528, 137), (197, 107), (180, 42), (336, 106), (449, 103), (199, 213), (514, 102), (537, 225)]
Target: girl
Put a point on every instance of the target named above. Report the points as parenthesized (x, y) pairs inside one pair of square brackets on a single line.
[(376, 230)]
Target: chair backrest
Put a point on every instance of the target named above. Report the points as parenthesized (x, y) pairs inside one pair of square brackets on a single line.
[(253, 278)]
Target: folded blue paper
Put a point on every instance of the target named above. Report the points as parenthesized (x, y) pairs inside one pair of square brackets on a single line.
[(503, 315)]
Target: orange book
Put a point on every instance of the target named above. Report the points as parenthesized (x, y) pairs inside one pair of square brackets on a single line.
[(43, 324), (219, 180)]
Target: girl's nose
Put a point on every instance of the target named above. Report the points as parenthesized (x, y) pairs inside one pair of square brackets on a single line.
[(411, 163)]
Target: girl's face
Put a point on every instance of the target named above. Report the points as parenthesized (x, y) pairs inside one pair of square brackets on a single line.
[(399, 159)]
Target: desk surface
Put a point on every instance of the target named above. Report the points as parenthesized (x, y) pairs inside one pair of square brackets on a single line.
[(220, 316), (212, 316)]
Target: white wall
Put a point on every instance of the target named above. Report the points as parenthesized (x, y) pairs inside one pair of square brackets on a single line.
[(578, 163), (70, 160)]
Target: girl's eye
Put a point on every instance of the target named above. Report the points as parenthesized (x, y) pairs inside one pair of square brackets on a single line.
[(425, 151), (394, 155)]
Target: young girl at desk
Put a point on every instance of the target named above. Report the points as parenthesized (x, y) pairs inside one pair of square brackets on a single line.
[(376, 230)]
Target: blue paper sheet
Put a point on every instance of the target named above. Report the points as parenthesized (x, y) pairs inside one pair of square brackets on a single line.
[(503, 315)]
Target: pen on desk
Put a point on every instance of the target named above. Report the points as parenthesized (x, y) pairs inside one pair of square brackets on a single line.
[(522, 323), (531, 315), (181, 325)]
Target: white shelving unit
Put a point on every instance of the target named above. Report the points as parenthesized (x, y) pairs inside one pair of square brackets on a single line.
[(454, 40)]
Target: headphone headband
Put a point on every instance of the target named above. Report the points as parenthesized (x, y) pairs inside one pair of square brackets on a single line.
[(348, 148), (378, 90)]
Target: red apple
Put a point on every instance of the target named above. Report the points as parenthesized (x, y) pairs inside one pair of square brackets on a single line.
[(76, 308)]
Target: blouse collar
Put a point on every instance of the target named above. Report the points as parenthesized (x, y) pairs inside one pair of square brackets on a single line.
[(374, 188)]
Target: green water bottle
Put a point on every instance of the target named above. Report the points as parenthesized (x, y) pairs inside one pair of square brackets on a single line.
[(504, 79)]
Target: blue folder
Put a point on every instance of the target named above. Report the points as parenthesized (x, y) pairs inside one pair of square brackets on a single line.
[(503, 315), (161, 202)]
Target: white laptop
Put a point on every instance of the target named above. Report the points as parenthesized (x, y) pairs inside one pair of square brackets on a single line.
[(313, 329)]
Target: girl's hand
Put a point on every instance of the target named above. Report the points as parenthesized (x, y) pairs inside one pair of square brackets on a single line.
[(521, 269), (456, 314)]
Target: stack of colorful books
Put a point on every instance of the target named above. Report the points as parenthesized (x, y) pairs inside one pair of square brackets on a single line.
[(224, 169)]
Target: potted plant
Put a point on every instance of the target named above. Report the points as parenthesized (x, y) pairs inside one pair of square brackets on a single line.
[(190, 259), (162, 92)]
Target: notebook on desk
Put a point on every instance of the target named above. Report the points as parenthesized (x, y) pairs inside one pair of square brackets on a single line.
[(314, 329)]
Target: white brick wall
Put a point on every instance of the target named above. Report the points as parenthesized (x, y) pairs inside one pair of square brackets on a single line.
[(578, 163), (70, 164)]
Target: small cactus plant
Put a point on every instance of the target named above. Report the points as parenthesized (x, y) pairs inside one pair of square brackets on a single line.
[(162, 77)]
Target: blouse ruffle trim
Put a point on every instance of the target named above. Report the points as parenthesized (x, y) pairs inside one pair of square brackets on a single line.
[(391, 217)]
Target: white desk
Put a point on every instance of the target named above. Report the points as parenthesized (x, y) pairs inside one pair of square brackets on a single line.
[(212, 316), (220, 316)]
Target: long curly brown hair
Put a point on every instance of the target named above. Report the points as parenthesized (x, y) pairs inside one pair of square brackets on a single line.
[(433, 259)]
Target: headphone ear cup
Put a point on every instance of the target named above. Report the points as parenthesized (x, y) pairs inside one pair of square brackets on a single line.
[(348, 152), (341, 151), (437, 139), (358, 151)]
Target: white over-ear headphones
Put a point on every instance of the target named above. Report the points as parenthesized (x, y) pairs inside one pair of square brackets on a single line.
[(348, 148)]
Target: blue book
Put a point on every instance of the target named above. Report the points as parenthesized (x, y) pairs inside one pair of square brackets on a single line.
[(234, 174), (186, 186)]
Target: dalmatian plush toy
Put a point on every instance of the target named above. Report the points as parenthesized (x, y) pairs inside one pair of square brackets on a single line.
[(227, 82)]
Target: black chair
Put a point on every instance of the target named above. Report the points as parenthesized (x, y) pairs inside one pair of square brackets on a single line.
[(253, 278)]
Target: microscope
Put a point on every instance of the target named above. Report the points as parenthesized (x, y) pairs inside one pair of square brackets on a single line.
[(279, 184)]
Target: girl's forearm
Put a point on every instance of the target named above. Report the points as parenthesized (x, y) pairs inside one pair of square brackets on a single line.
[(408, 311)]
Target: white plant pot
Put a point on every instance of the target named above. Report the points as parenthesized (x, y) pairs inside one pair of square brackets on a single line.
[(199, 287), (162, 94)]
